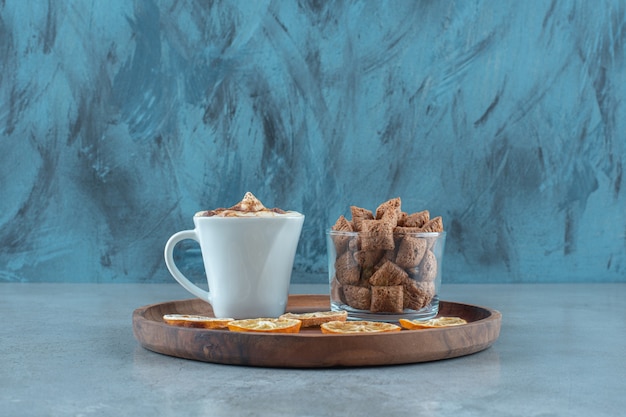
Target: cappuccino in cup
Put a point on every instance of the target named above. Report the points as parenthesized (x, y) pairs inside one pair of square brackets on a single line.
[(248, 252)]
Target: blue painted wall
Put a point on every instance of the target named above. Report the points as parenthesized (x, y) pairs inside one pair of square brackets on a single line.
[(119, 119)]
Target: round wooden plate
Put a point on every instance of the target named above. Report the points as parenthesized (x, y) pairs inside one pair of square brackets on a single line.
[(310, 348)]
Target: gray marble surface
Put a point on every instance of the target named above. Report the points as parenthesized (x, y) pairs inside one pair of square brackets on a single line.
[(69, 350)]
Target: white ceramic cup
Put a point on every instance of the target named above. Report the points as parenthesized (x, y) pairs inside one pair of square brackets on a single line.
[(248, 262)]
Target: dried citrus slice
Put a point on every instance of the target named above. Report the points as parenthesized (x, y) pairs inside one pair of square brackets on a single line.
[(191, 320), (265, 325), (432, 323), (343, 327), (316, 318)]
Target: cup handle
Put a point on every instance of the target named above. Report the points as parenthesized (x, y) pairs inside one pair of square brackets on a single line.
[(171, 265)]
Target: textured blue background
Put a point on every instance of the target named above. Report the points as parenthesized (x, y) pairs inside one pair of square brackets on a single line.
[(119, 119)]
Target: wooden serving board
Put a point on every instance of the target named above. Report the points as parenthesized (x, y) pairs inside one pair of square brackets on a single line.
[(310, 348)]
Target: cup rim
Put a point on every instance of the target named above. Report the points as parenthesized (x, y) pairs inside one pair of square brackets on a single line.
[(287, 215)]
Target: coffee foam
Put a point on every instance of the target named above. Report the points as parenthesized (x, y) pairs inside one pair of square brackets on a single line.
[(249, 206)]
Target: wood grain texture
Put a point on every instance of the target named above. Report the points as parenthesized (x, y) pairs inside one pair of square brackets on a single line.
[(310, 348)]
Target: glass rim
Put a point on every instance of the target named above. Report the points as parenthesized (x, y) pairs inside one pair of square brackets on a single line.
[(332, 232)]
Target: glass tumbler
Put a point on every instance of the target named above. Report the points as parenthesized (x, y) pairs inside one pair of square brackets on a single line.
[(385, 284)]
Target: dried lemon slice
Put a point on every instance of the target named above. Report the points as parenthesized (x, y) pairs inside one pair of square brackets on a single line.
[(343, 327), (316, 318), (191, 320), (432, 323), (265, 325)]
